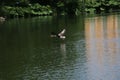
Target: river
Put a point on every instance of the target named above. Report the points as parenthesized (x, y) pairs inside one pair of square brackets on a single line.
[(91, 50)]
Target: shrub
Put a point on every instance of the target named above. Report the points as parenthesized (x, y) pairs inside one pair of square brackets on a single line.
[(31, 10)]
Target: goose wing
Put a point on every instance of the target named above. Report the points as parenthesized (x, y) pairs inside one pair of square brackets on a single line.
[(62, 32)]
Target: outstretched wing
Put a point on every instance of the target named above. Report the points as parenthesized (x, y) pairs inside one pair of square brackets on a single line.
[(62, 32)]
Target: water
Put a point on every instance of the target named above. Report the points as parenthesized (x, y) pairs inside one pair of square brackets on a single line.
[(91, 50)]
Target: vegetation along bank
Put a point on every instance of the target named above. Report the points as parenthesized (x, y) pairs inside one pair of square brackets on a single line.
[(26, 8)]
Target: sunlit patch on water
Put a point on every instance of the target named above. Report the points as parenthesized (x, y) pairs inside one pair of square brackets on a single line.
[(103, 47)]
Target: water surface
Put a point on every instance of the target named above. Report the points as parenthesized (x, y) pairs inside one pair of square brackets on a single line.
[(91, 50)]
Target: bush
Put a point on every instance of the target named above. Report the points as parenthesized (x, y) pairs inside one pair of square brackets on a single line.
[(31, 10), (102, 6)]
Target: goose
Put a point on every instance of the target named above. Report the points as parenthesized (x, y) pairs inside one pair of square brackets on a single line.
[(59, 35)]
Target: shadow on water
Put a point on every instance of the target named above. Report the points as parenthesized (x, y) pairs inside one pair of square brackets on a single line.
[(90, 51)]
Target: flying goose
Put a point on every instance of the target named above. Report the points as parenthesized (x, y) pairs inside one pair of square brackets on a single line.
[(60, 35)]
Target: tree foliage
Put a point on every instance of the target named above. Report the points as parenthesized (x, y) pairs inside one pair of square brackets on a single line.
[(99, 6), (48, 7)]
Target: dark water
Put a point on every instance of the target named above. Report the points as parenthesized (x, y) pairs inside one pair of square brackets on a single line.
[(91, 50)]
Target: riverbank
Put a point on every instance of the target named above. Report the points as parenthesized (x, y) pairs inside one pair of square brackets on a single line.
[(60, 8), (102, 7)]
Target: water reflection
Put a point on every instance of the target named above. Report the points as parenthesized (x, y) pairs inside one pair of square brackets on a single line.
[(63, 51), (63, 48), (103, 47)]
